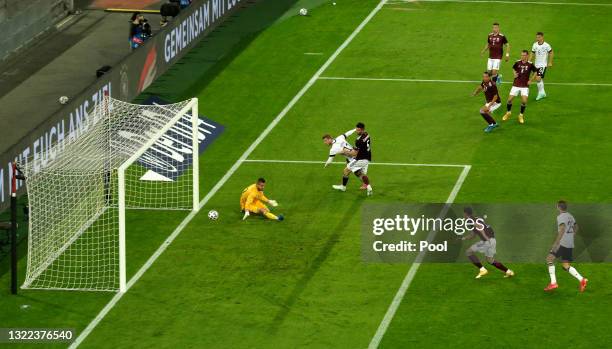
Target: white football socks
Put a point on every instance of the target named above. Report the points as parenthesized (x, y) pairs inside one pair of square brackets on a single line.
[(575, 273), (540, 86), (551, 271)]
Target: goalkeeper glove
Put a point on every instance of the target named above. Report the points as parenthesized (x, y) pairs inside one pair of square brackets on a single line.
[(273, 203)]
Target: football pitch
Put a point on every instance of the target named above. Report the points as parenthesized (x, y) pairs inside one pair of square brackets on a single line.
[(406, 69)]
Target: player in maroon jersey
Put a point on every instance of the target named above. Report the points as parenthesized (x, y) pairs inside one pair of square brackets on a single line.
[(486, 245), (495, 44), (523, 71), (492, 100), (364, 156)]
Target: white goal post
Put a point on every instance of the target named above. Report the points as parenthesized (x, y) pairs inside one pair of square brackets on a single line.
[(126, 157)]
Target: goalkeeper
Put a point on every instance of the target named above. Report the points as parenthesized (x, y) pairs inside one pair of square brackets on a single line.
[(253, 201)]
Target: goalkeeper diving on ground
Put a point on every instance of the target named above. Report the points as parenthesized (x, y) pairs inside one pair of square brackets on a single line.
[(253, 201)]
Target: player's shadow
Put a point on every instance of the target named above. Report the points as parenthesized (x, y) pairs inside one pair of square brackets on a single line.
[(300, 286)]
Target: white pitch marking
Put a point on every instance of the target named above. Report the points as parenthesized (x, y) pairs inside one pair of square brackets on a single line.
[(343, 163), (111, 304), (457, 81), (396, 79), (313, 53), (505, 2), (401, 9), (397, 300)]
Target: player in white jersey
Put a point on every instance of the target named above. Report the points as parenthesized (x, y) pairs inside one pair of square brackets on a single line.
[(563, 248), (339, 145), (543, 59)]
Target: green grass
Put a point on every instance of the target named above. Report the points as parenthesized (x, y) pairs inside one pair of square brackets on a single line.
[(302, 283)]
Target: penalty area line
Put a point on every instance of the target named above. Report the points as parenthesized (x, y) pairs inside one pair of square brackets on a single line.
[(111, 304), (343, 163), (401, 292), (458, 81)]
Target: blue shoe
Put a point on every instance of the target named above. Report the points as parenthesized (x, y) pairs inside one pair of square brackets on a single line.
[(499, 79), (281, 218), (495, 125), (490, 128)]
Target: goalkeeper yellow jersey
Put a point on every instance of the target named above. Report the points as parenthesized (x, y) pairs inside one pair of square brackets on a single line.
[(251, 198)]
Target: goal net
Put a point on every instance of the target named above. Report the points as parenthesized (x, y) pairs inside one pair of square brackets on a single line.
[(127, 156)]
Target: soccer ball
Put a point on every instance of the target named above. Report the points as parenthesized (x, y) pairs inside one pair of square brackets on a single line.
[(303, 12), (214, 215), (63, 100)]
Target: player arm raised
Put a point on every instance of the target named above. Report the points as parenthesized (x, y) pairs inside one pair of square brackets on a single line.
[(348, 133), (560, 233)]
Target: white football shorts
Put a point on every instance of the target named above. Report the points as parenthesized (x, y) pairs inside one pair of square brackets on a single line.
[(492, 106), (488, 248), (523, 91), (493, 64), (357, 165)]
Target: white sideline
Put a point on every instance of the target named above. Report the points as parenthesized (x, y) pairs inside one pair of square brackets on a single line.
[(397, 300), (505, 2), (456, 81), (343, 163), (92, 325)]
